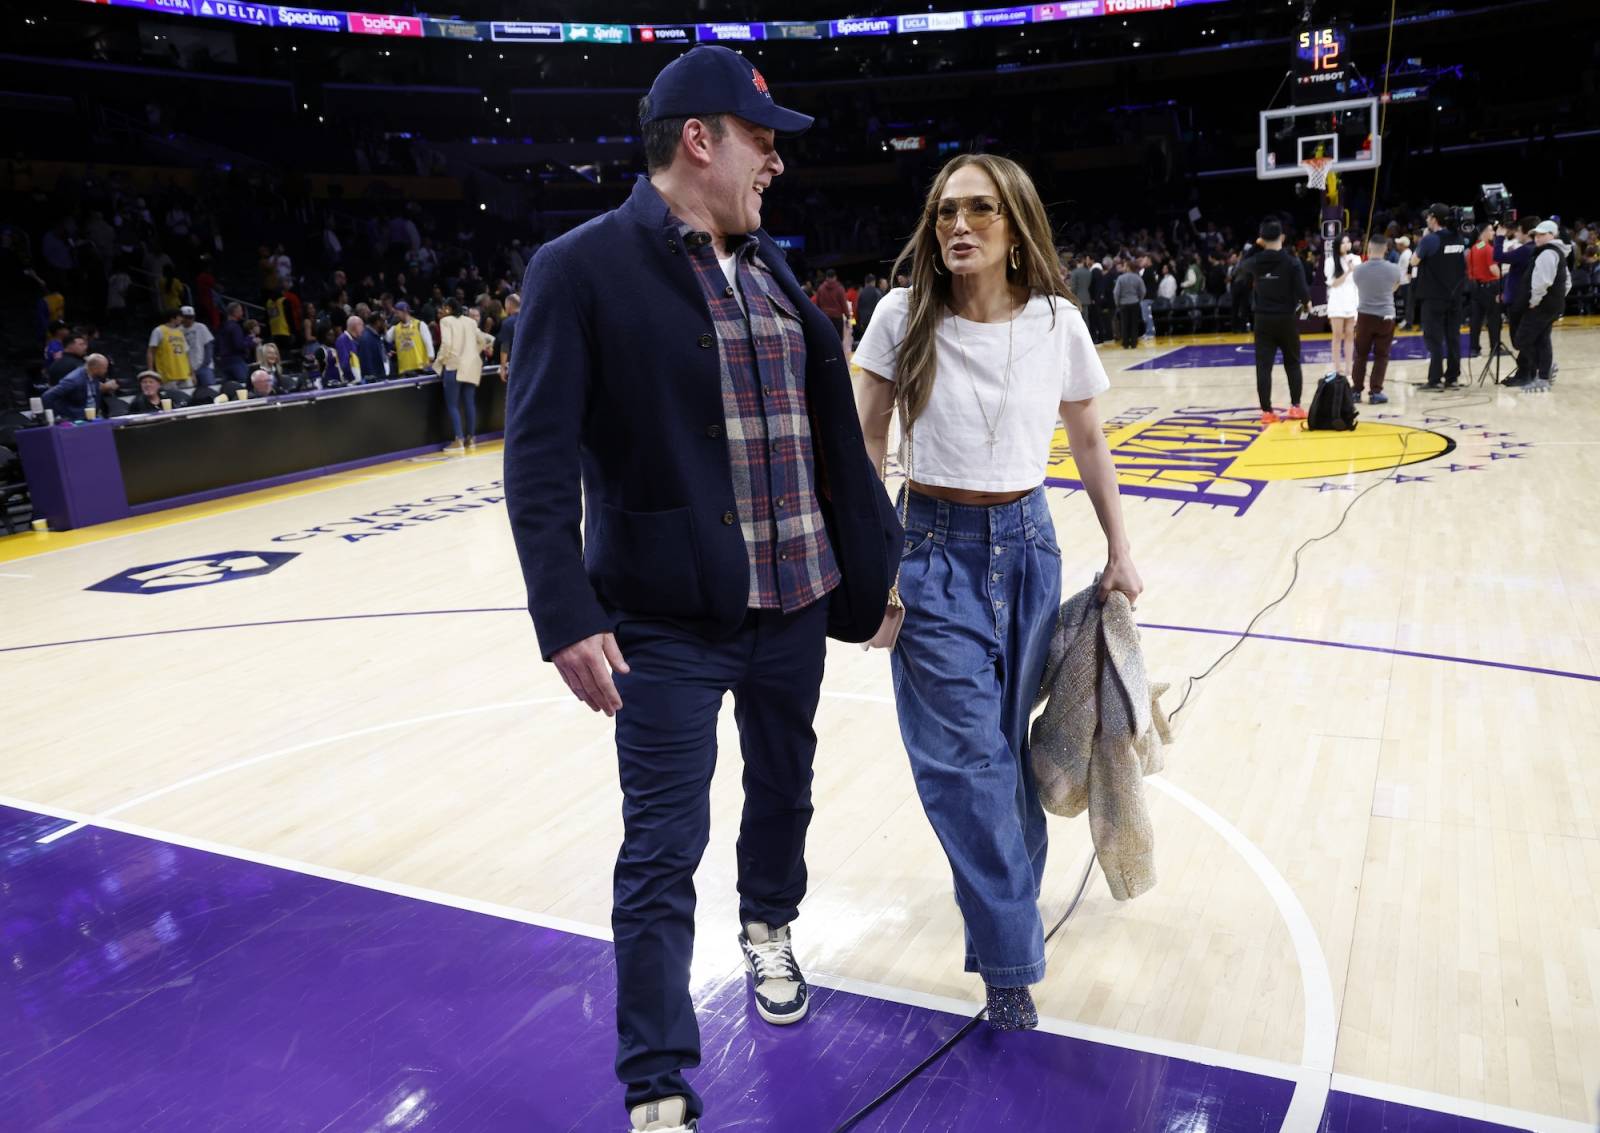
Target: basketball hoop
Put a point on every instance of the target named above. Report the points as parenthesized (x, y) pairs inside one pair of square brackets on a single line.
[(1317, 170)]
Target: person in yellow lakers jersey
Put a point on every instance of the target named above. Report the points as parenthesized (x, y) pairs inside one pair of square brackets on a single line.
[(283, 317), (410, 340), (168, 353)]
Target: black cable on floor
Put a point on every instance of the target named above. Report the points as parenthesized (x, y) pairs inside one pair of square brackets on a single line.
[(945, 1047), (1405, 440)]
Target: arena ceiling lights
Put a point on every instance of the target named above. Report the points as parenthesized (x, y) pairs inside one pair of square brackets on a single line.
[(496, 31)]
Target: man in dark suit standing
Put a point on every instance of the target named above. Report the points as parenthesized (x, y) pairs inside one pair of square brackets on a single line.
[(731, 521)]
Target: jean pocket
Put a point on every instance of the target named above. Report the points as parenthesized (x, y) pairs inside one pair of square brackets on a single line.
[(915, 543), (1044, 539)]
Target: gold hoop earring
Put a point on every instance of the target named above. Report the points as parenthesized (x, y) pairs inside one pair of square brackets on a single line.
[(1016, 257), (936, 270)]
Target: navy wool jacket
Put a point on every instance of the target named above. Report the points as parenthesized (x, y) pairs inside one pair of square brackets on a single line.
[(615, 377)]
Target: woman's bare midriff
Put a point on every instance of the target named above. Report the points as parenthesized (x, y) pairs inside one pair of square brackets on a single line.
[(966, 497)]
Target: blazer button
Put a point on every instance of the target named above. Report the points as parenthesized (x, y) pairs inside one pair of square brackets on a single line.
[(713, 431), (706, 342), (727, 519), (727, 293)]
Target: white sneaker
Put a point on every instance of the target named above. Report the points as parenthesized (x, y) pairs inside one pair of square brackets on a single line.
[(665, 1115), (454, 448), (781, 993)]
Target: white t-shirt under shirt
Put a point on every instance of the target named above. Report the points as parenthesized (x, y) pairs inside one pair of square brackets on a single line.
[(1053, 360)]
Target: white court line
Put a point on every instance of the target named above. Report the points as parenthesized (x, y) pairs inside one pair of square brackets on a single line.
[(1321, 1032), (1459, 1107), (3, 575), (240, 765), (1205, 1056)]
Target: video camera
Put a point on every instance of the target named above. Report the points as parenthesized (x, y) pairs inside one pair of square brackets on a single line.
[(1493, 207)]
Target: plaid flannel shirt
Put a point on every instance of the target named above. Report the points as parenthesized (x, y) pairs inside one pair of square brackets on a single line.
[(763, 361)]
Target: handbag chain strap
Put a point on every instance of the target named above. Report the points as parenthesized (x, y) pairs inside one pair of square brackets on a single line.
[(906, 450)]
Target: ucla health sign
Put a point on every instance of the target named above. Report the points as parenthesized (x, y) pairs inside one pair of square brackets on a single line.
[(931, 21)]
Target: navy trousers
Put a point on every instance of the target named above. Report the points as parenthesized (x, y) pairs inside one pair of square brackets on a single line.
[(666, 752), (1441, 329)]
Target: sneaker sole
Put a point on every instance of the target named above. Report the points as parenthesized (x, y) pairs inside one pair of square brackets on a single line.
[(776, 1020)]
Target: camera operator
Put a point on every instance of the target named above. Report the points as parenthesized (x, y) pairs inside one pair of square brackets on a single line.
[(1542, 297), (1514, 248), (1441, 259)]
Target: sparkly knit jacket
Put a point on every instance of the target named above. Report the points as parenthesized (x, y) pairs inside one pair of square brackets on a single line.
[(1101, 732)]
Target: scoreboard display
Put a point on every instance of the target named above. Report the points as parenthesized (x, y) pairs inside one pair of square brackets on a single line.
[(1321, 58)]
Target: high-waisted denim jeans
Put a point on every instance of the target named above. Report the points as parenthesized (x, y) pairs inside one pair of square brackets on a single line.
[(982, 588)]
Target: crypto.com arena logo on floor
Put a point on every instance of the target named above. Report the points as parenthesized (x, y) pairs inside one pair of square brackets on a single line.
[(186, 574), (1225, 458)]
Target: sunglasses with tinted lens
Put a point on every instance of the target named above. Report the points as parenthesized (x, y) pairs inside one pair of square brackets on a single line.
[(981, 212)]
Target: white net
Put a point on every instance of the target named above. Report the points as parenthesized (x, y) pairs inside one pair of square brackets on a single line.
[(1317, 169)]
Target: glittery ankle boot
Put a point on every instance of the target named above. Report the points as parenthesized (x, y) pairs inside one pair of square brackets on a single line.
[(1011, 1009)]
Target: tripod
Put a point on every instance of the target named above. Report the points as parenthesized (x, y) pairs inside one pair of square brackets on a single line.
[(1492, 363)]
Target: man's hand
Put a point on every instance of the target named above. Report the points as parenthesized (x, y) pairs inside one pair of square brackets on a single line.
[(587, 665)]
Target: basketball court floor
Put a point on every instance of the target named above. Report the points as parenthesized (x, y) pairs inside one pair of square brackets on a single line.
[(298, 833)]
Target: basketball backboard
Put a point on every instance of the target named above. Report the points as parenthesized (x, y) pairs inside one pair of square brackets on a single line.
[(1345, 131)]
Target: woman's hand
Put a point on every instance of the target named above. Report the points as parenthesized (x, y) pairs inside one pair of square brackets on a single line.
[(1121, 574)]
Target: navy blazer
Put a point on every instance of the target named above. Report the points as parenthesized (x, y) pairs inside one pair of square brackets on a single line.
[(615, 374)]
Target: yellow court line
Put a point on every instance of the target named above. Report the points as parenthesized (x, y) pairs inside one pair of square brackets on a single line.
[(29, 543)]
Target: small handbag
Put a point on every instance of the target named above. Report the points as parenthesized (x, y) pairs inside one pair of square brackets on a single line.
[(895, 611)]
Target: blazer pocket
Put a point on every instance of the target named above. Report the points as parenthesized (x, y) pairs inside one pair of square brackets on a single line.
[(646, 562)]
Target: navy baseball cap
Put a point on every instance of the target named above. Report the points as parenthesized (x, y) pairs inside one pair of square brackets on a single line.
[(717, 80)]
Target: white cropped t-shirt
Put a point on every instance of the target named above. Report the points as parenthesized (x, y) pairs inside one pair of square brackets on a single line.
[(1053, 360)]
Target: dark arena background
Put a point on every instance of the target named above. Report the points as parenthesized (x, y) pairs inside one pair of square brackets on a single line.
[(299, 832)]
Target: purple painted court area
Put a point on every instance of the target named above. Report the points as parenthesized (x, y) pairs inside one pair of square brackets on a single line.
[(1313, 352), (150, 986)]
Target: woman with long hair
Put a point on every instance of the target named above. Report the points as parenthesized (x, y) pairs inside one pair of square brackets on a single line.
[(1342, 302), (981, 356)]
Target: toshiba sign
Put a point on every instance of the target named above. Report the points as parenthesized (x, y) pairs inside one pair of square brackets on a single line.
[(367, 23), (1127, 7)]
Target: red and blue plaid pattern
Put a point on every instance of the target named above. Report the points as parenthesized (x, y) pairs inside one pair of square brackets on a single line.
[(763, 360)]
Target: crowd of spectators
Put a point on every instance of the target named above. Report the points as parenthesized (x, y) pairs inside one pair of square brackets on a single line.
[(148, 282)]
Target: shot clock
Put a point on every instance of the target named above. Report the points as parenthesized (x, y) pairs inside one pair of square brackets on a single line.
[(1320, 57)]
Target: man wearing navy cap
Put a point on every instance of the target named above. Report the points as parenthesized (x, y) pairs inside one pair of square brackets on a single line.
[(696, 410)]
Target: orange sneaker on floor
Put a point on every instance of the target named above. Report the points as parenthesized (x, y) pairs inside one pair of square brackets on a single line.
[(1269, 418), (1296, 413)]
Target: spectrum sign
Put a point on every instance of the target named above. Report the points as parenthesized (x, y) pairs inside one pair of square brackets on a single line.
[(862, 27)]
